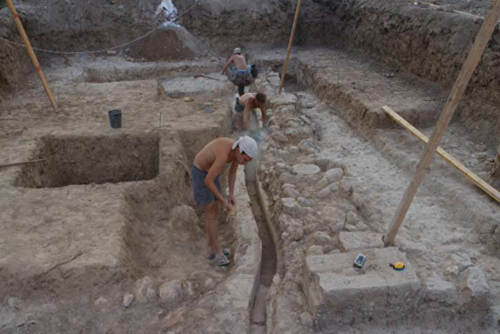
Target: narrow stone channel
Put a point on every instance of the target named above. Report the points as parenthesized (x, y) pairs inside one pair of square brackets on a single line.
[(268, 266)]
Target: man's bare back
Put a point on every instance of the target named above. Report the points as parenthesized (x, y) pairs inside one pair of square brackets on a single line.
[(220, 147), (248, 97), (240, 62)]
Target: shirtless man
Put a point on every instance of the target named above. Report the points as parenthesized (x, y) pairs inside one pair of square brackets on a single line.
[(207, 166), (241, 73), (246, 104)]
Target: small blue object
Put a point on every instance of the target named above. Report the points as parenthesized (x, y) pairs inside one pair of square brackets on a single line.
[(359, 261)]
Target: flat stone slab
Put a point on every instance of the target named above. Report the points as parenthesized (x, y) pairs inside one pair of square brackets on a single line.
[(213, 83), (283, 100), (302, 169), (360, 240), (339, 294)]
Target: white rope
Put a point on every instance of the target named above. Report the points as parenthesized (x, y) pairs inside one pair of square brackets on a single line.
[(103, 50), (81, 52)]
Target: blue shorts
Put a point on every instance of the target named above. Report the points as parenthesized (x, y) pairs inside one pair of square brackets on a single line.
[(202, 195)]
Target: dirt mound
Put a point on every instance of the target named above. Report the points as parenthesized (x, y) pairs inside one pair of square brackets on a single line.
[(169, 43)]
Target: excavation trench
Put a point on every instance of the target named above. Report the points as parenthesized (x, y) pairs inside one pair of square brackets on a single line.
[(268, 263)]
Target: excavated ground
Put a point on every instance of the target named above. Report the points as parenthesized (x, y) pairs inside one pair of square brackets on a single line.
[(357, 166), (109, 212)]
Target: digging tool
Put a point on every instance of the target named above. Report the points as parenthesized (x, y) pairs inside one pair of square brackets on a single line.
[(205, 76)]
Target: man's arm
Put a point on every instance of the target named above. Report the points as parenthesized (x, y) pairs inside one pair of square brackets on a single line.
[(246, 114), (232, 180), (230, 60), (215, 170)]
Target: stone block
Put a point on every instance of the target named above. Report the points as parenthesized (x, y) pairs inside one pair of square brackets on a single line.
[(436, 289), (350, 241), (461, 260), (305, 170), (289, 178), (290, 206), (290, 192), (339, 294), (334, 174), (145, 290), (474, 288), (279, 137), (283, 100)]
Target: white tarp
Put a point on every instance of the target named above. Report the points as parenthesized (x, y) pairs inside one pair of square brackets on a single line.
[(166, 13)]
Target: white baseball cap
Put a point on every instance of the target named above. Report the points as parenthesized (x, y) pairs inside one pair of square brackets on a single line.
[(247, 145), (237, 51)]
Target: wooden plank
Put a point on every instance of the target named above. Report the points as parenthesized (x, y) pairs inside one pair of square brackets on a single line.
[(290, 43), (454, 98), (483, 185), (22, 163)]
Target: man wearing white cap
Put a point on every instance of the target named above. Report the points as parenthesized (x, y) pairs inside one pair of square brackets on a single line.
[(241, 73), (207, 166)]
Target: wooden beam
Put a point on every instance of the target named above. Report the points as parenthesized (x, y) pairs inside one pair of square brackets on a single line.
[(454, 98), (32, 55), (483, 185), (290, 43)]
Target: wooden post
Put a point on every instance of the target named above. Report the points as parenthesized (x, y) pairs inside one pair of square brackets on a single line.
[(290, 43), (456, 94), (32, 55)]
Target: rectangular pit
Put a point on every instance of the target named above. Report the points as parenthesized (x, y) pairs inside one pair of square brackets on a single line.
[(93, 159)]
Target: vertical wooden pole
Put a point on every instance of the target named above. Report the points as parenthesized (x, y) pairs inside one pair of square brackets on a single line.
[(32, 55), (290, 43), (456, 94)]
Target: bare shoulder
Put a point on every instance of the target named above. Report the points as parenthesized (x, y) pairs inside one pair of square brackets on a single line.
[(224, 144)]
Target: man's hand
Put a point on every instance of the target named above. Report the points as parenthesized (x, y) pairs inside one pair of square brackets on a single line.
[(226, 206), (222, 73), (232, 201)]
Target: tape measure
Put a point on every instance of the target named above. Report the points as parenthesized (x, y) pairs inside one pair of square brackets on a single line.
[(399, 265)]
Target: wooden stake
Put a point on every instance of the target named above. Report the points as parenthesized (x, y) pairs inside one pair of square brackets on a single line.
[(32, 55), (290, 43), (456, 94), (483, 185), (22, 163)]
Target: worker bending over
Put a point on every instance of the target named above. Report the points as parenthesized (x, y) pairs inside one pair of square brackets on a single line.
[(207, 166), (241, 74), (244, 114)]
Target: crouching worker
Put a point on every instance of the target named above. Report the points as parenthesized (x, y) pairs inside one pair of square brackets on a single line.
[(241, 73), (207, 166), (244, 114)]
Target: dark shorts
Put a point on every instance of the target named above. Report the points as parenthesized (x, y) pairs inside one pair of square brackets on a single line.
[(202, 195)]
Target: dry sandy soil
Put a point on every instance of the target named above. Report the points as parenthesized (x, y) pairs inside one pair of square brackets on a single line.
[(108, 214)]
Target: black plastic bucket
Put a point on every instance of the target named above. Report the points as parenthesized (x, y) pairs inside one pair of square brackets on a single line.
[(115, 118)]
